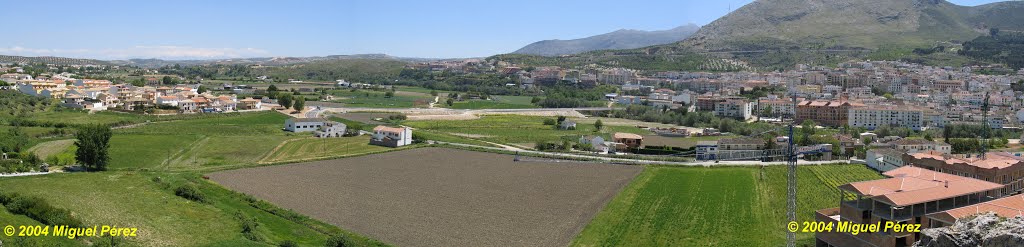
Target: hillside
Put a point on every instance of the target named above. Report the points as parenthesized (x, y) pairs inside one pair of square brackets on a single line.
[(51, 60), (621, 39), (776, 34), (844, 24)]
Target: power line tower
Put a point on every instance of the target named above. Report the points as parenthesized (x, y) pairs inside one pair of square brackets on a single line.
[(791, 181)]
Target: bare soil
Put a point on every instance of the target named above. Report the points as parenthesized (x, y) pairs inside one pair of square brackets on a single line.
[(441, 197)]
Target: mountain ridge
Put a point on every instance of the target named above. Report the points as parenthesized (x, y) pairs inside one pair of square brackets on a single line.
[(618, 39)]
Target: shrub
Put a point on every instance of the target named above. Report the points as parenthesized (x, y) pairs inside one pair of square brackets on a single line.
[(38, 209), (288, 243), (249, 225), (190, 192), (339, 241), (549, 121)]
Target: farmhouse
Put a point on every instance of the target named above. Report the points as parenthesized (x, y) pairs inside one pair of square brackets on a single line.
[(391, 136), (625, 141), (249, 104), (303, 124), (598, 144), (330, 129), (567, 125)]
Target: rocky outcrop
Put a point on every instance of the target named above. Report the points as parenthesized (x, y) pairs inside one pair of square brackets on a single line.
[(986, 230)]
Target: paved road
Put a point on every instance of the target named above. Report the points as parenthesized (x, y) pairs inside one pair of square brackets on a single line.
[(643, 162)]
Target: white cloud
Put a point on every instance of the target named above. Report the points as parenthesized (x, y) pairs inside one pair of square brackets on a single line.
[(163, 52)]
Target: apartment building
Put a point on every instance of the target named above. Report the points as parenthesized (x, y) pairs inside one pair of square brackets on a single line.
[(906, 196), (735, 108), (997, 167), (875, 116), (826, 113)]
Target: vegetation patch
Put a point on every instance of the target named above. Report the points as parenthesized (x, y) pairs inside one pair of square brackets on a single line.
[(727, 206)]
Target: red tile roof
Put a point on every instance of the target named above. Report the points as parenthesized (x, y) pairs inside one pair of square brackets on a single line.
[(909, 185), (1011, 206)]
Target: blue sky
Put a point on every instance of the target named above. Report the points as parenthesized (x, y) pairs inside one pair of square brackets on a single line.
[(191, 29)]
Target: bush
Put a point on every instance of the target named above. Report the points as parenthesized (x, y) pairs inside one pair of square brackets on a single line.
[(288, 243), (549, 121), (38, 209), (190, 192), (339, 241), (249, 225)]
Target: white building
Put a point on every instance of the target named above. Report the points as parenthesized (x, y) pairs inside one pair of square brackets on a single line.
[(871, 117), (303, 124), (331, 129), (734, 108), (391, 136), (884, 159)]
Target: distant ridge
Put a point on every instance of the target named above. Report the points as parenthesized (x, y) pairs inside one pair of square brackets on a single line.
[(621, 39)]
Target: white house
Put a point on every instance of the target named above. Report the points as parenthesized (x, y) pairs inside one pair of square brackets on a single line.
[(884, 159), (391, 136), (303, 124), (167, 100), (330, 129), (597, 143)]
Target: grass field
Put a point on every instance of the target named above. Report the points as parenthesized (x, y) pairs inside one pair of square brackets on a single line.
[(134, 151), (317, 148), (221, 152), (141, 200), (513, 129), (497, 102), (46, 149), (731, 206), (375, 99)]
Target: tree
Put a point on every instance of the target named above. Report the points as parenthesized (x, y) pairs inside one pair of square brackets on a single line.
[(561, 119), (534, 100), (285, 100), (598, 124), (201, 89), (389, 94), (767, 111), (299, 104), (93, 142), (433, 93), (272, 88), (450, 102), (928, 136), (993, 32), (167, 80)]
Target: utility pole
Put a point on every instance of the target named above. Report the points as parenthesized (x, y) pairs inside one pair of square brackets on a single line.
[(986, 132), (791, 182)]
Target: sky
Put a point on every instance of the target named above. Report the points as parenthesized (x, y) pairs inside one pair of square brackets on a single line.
[(191, 29)]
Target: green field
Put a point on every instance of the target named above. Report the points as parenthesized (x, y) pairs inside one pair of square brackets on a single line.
[(497, 102), (729, 206), (223, 152), (147, 202), (46, 149), (134, 151), (318, 148), (513, 129), (377, 99)]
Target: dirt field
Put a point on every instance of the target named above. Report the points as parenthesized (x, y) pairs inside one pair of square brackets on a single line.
[(441, 197)]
